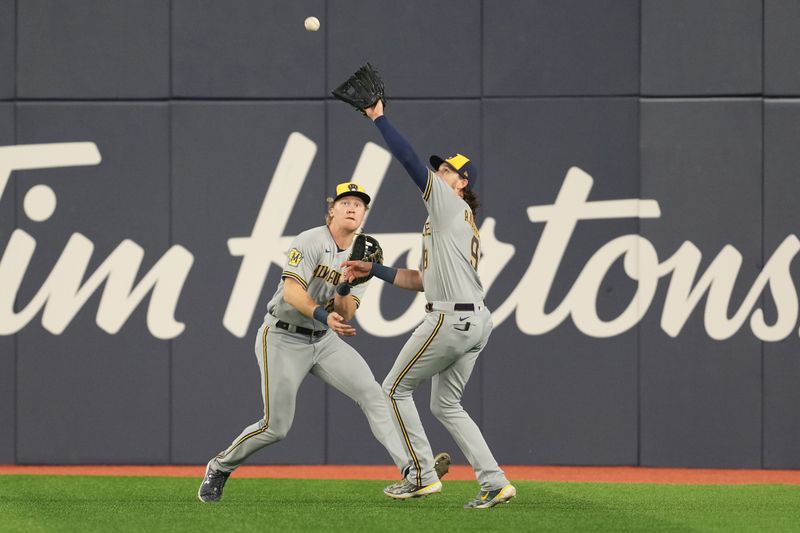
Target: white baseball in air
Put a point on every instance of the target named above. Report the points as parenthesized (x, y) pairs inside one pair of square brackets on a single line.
[(311, 23)]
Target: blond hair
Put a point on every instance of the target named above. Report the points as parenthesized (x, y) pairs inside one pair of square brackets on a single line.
[(328, 217)]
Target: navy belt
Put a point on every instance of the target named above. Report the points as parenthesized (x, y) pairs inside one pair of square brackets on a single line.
[(299, 329)]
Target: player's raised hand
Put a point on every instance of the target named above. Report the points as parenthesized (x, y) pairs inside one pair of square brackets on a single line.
[(374, 111), (338, 325), (356, 269)]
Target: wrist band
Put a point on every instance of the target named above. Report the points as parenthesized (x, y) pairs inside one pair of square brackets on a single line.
[(385, 273), (321, 315), (343, 289)]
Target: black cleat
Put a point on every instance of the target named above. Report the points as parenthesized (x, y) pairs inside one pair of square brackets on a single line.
[(210, 490)]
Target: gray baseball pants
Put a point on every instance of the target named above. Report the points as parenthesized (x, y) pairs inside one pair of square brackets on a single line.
[(444, 348), (285, 359)]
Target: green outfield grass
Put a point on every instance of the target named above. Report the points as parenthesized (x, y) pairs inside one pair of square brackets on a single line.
[(115, 504)]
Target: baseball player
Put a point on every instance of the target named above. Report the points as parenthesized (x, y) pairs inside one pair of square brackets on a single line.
[(301, 335), (455, 330)]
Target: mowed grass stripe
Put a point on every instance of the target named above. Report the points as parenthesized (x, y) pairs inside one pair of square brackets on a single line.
[(78, 503)]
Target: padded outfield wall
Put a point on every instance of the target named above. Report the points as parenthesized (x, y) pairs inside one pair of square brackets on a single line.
[(639, 181)]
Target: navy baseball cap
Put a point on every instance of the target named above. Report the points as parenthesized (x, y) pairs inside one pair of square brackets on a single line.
[(461, 163)]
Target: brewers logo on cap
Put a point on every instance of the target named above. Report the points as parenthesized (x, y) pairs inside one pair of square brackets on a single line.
[(351, 189), (460, 163)]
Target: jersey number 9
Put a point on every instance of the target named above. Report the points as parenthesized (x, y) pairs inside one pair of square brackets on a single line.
[(475, 252)]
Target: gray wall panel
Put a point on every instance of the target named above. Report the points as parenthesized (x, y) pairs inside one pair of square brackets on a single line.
[(224, 156), (8, 47), (247, 48), (705, 47), (397, 208), (8, 356), (93, 49), (781, 47), (700, 397), (781, 364), (86, 396), (566, 48), (423, 49), (528, 89), (576, 395)]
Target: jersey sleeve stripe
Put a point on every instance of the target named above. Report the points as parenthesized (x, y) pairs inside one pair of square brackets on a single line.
[(357, 300), (429, 186), (295, 277)]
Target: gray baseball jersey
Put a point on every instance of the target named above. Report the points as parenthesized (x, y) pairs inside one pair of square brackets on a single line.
[(314, 260), (451, 246), (285, 357)]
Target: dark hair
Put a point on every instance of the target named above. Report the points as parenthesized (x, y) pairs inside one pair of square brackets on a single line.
[(472, 200)]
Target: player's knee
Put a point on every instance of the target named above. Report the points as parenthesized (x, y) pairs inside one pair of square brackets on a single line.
[(370, 393), (443, 409), (279, 428), (397, 389), (386, 387), (280, 433)]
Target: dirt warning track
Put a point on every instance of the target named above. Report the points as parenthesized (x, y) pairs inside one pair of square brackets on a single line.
[(618, 474)]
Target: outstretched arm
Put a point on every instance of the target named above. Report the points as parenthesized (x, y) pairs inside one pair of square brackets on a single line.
[(404, 278), (409, 279), (399, 146)]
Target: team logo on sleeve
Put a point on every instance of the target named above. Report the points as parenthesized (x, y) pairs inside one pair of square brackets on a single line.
[(295, 256)]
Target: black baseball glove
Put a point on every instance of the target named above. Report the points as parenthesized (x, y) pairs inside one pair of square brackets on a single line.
[(362, 90), (366, 248)]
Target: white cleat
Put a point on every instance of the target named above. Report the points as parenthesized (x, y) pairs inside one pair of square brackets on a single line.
[(487, 499)]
